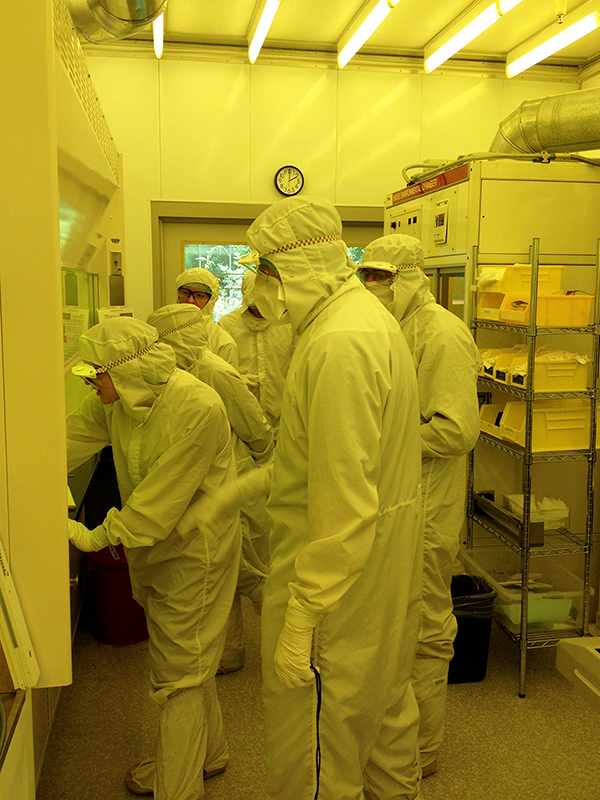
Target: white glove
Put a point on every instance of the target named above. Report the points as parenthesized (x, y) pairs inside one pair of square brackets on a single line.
[(85, 539), (293, 651)]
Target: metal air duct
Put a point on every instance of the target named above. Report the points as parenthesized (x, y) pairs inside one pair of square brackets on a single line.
[(103, 20), (557, 124)]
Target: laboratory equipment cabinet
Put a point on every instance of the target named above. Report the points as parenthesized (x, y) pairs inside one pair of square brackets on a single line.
[(538, 435)]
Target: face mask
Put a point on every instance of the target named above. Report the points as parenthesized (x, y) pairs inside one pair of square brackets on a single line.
[(269, 298), (382, 291)]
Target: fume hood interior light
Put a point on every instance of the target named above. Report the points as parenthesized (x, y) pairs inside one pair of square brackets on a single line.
[(464, 30), (363, 25), (158, 30), (257, 35), (557, 36)]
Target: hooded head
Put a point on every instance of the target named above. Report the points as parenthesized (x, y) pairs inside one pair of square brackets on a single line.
[(182, 326), (302, 239), (200, 280), (137, 362), (397, 249), (405, 256)]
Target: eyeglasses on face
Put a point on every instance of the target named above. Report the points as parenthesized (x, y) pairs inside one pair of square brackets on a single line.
[(197, 295), (267, 271), (379, 275)]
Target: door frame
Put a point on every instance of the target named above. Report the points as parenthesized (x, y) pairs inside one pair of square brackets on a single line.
[(165, 211)]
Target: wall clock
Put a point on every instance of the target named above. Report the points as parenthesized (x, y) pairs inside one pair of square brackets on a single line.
[(289, 180)]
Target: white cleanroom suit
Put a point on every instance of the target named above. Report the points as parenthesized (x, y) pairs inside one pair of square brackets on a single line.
[(182, 326), (171, 444), (264, 352), (447, 361), (219, 341), (346, 545)]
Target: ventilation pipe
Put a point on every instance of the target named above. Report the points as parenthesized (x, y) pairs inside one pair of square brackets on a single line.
[(558, 124), (104, 20)]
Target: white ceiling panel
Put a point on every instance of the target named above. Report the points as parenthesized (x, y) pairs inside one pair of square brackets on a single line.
[(318, 24)]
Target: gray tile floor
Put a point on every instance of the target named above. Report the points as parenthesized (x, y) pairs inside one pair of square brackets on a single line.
[(497, 746)]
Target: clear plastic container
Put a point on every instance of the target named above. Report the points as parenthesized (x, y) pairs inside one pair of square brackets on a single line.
[(558, 605)]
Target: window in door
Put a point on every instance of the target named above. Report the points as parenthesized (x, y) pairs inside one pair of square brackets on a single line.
[(221, 261)]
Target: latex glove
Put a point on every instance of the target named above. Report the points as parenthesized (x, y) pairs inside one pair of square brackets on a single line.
[(293, 651), (85, 539)]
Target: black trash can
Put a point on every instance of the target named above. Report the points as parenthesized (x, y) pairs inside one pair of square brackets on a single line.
[(473, 599)]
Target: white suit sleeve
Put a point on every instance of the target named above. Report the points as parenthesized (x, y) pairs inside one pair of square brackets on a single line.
[(158, 502), (245, 415), (447, 376), (345, 391), (87, 431)]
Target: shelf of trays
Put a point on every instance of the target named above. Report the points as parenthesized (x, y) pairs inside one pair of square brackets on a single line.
[(517, 391), (543, 457), (559, 542)]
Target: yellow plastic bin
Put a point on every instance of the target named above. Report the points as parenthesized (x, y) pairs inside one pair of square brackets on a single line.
[(488, 305), (490, 416), (516, 279), (568, 375), (553, 311), (556, 424)]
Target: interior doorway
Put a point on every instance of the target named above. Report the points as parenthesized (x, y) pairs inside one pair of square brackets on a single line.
[(213, 236)]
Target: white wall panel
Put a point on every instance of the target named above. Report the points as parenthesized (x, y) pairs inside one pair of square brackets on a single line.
[(379, 133), (459, 115), (592, 83), (128, 92), (226, 128), (293, 117), (516, 92), (205, 131)]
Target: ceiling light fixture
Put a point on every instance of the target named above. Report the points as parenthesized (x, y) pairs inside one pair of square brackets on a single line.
[(566, 30), (364, 24), (463, 30), (158, 31), (264, 13)]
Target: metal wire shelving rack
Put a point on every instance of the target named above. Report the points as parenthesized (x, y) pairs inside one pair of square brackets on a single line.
[(561, 542)]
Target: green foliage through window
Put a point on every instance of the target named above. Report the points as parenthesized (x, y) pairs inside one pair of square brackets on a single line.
[(221, 260)]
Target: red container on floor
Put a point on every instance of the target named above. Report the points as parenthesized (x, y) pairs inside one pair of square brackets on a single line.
[(116, 617)]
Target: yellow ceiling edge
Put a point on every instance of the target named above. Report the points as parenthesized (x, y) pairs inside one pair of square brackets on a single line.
[(317, 59)]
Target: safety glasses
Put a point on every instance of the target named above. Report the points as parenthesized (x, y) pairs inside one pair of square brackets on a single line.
[(197, 296), (88, 373), (267, 271), (378, 275)]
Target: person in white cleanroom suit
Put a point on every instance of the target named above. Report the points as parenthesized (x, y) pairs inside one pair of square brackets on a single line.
[(446, 360), (343, 592), (200, 287), (171, 444), (182, 327), (264, 351)]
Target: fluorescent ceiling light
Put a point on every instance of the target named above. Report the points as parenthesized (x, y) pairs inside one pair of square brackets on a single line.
[(364, 24), (264, 14), (158, 30), (555, 37), (477, 19)]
